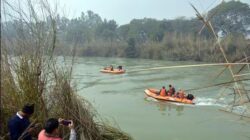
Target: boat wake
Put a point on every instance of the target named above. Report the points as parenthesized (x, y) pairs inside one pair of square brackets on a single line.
[(202, 101), (199, 101)]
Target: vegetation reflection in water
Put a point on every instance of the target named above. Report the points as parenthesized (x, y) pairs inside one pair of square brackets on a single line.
[(165, 108)]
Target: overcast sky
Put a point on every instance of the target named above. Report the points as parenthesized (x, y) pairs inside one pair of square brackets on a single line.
[(123, 11)]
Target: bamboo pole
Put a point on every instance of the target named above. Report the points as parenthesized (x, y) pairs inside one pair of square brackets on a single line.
[(188, 66), (225, 57), (220, 84), (239, 75), (210, 27), (247, 57), (246, 60)]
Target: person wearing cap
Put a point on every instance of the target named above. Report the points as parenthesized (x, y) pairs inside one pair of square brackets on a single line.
[(18, 124), (51, 132)]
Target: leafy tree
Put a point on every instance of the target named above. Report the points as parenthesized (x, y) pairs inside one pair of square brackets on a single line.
[(107, 30), (152, 38), (130, 51), (230, 17)]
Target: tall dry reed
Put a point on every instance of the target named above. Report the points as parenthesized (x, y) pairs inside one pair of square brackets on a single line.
[(32, 74)]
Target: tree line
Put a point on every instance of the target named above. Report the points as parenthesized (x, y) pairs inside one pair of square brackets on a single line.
[(178, 39)]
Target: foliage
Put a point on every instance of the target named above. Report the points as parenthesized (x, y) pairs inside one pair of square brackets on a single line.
[(231, 17), (102, 37), (130, 51), (32, 74)]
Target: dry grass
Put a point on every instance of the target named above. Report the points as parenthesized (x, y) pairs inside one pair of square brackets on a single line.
[(31, 73)]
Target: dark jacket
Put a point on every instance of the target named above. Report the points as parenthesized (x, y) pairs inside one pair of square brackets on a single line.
[(17, 126)]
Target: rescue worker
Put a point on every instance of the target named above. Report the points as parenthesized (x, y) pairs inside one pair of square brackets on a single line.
[(163, 91)]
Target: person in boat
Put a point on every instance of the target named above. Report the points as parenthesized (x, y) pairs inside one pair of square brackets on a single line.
[(111, 68), (190, 97), (181, 94), (163, 91), (119, 68), (171, 90), (107, 68), (177, 93)]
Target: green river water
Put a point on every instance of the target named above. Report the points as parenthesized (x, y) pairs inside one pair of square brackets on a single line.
[(120, 99)]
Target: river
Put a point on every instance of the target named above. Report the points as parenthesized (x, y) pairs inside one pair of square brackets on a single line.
[(121, 101)]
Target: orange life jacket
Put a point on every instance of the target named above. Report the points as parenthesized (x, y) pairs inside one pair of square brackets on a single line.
[(163, 92)]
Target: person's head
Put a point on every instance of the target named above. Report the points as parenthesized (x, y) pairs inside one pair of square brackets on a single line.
[(51, 126), (28, 110), (170, 86), (163, 87)]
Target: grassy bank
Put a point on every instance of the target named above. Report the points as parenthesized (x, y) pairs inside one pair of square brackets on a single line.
[(173, 47)]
